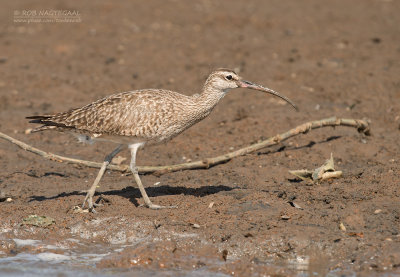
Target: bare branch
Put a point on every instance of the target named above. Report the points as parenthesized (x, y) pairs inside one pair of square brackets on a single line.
[(361, 125)]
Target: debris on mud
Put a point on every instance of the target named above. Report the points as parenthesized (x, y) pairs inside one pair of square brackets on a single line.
[(326, 171), (39, 221), (78, 210)]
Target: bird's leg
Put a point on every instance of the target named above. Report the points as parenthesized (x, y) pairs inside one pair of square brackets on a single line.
[(92, 190), (147, 201)]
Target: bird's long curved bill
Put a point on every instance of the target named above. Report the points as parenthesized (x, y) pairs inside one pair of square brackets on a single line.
[(250, 85)]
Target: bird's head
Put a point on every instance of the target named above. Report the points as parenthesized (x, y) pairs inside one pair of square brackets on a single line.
[(226, 79)]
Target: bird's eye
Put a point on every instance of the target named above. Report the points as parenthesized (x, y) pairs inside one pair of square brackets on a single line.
[(229, 77)]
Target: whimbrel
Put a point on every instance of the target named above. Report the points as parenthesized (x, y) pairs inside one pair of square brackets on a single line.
[(140, 117)]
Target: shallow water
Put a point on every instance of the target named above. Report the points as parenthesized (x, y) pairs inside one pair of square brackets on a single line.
[(73, 257), (74, 262), (51, 260)]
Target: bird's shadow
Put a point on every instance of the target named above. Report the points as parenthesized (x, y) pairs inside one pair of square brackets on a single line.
[(133, 193)]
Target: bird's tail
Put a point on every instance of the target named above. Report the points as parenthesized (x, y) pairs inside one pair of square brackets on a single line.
[(48, 124)]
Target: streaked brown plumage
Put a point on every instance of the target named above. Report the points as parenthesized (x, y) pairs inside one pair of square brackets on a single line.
[(149, 115), (143, 117)]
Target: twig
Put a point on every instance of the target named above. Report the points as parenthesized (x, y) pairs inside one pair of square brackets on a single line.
[(361, 125)]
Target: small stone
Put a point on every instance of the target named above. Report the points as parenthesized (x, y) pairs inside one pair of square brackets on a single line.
[(342, 227), (110, 60), (376, 40), (310, 89), (295, 205), (378, 211), (9, 199), (224, 254), (285, 217), (341, 45), (211, 205), (195, 225)]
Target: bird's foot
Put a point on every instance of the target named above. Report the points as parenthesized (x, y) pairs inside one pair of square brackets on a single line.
[(158, 207), (91, 204)]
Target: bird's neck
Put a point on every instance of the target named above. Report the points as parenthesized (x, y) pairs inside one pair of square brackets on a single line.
[(210, 96), (200, 106)]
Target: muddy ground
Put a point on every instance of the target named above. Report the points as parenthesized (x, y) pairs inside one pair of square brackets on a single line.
[(335, 58)]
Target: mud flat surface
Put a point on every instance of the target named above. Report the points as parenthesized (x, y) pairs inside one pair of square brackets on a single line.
[(336, 58)]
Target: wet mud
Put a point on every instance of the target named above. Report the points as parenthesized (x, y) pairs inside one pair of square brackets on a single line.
[(246, 217)]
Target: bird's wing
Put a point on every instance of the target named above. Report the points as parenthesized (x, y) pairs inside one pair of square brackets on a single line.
[(137, 113)]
